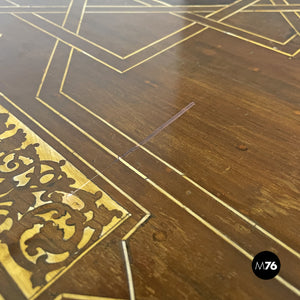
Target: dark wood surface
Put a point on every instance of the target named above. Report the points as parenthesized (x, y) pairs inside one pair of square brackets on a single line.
[(89, 212)]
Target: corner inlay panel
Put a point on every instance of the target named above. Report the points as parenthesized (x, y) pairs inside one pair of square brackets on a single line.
[(50, 213)]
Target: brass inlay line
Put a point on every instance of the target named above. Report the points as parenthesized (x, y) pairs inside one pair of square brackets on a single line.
[(141, 2), (164, 50), (239, 9), (128, 271), (9, 10), (212, 9), (78, 36), (216, 27), (291, 23), (71, 45), (11, 2), (67, 13), (111, 52), (103, 62), (224, 8), (255, 34), (160, 40)]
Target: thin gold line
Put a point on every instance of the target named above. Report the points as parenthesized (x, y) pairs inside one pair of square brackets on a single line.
[(290, 39), (169, 47), (155, 6), (66, 70), (141, 2), (67, 13), (290, 23), (47, 68), (269, 10), (29, 13), (296, 53), (288, 285), (135, 228), (139, 12), (286, 2), (274, 4), (254, 34), (157, 41), (192, 8), (113, 6), (243, 217), (71, 45), (128, 271), (13, 3), (163, 3), (53, 51), (127, 264), (78, 128), (81, 17), (287, 20), (78, 36), (143, 12), (238, 10), (235, 35), (34, 6), (271, 6), (223, 8), (148, 58), (201, 220)]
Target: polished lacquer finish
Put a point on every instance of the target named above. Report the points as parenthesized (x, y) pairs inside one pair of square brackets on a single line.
[(148, 149)]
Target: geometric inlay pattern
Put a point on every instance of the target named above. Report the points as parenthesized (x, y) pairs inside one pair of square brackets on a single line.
[(226, 18)]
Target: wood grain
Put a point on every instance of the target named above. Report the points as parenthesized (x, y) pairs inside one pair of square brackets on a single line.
[(83, 87)]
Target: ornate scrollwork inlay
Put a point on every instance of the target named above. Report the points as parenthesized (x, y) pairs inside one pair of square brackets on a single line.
[(44, 225)]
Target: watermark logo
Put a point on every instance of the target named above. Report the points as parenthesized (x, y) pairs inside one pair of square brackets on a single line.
[(266, 265)]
